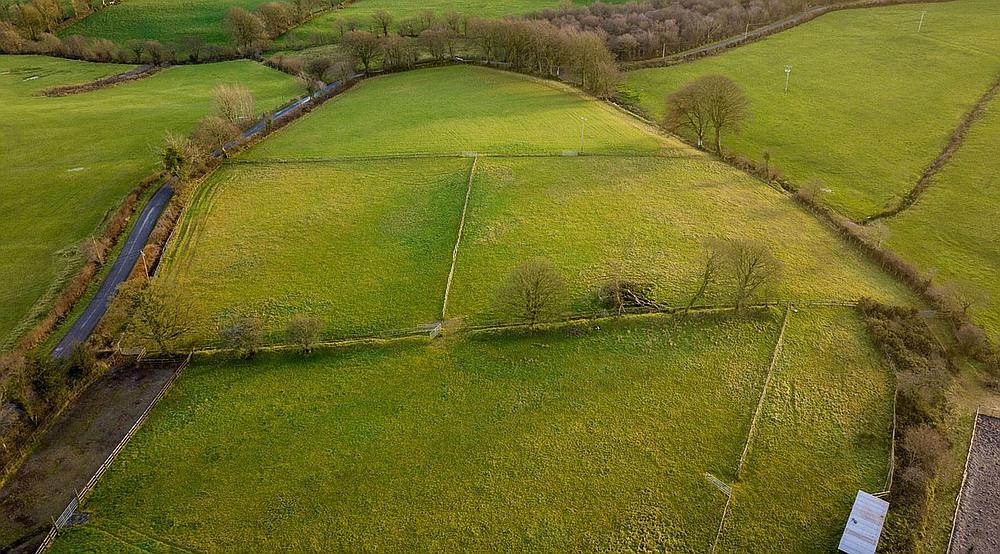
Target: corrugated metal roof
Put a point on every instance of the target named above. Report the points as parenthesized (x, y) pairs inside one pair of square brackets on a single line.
[(864, 526)]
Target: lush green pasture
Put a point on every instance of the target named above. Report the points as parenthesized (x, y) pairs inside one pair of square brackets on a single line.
[(871, 102), (67, 161), (168, 21), (456, 109), (644, 219), (954, 229), (534, 442), (824, 433), (365, 245)]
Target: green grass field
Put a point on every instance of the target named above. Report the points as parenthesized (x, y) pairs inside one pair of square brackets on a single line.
[(70, 160), (168, 21), (644, 219), (523, 442), (365, 245), (871, 102), (456, 109), (824, 433), (953, 229)]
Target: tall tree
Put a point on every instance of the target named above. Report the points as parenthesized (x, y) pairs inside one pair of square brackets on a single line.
[(726, 104), (686, 110), (245, 28), (364, 46), (534, 291)]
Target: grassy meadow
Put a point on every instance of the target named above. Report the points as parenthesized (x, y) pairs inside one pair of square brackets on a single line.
[(870, 103), (644, 219), (365, 245), (70, 160), (543, 442), (954, 228), (168, 21), (824, 433), (458, 109)]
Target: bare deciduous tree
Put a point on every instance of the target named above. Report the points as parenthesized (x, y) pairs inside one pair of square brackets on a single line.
[(245, 28), (214, 131), (686, 110), (234, 102), (159, 314), (383, 20), (726, 104), (304, 330), (363, 46), (751, 269), (243, 335), (709, 274), (534, 291)]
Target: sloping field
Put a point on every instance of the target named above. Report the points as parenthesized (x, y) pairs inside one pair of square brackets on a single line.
[(457, 109), (871, 102), (540, 442), (955, 226), (543, 442), (824, 433), (69, 160), (643, 219), (168, 21), (365, 245)]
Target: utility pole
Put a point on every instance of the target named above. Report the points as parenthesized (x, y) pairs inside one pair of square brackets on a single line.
[(746, 32), (788, 74), (583, 127), (921, 24)]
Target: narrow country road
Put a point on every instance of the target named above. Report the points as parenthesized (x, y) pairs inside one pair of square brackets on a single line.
[(120, 270), (82, 328)]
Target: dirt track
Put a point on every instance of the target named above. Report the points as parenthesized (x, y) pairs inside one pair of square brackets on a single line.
[(72, 451), (977, 524)]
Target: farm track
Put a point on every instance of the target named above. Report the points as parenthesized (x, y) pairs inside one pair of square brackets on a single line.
[(954, 144), (977, 517)]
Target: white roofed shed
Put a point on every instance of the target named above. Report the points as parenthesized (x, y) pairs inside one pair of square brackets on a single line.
[(864, 526)]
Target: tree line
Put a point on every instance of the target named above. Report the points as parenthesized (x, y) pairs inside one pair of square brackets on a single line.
[(652, 28)]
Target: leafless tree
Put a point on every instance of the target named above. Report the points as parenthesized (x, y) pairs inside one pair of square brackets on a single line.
[(709, 274), (726, 105), (245, 28), (534, 291), (234, 102), (750, 268), (686, 109), (305, 330), (159, 314), (383, 20), (243, 335), (363, 46)]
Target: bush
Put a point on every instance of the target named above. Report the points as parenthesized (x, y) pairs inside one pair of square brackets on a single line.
[(305, 331)]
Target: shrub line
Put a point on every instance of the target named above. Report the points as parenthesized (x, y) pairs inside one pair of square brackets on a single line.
[(954, 144), (140, 72), (458, 239)]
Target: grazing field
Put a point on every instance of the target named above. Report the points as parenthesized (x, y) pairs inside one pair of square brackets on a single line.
[(67, 161), (365, 245), (553, 441), (824, 433), (953, 228), (168, 21), (870, 103), (456, 109), (644, 219)]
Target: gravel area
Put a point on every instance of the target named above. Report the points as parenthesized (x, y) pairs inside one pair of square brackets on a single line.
[(977, 526)]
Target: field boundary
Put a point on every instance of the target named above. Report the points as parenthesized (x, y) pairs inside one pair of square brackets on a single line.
[(763, 393), (954, 144), (64, 518), (403, 156), (961, 487), (140, 72), (458, 239)]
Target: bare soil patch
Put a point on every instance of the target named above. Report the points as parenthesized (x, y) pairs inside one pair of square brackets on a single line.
[(977, 524)]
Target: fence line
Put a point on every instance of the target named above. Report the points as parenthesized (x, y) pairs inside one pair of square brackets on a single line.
[(67, 513), (763, 393), (458, 239), (722, 523), (449, 155), (961, 488)]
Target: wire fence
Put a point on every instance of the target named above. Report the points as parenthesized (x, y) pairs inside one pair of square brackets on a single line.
[(67, 514)]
